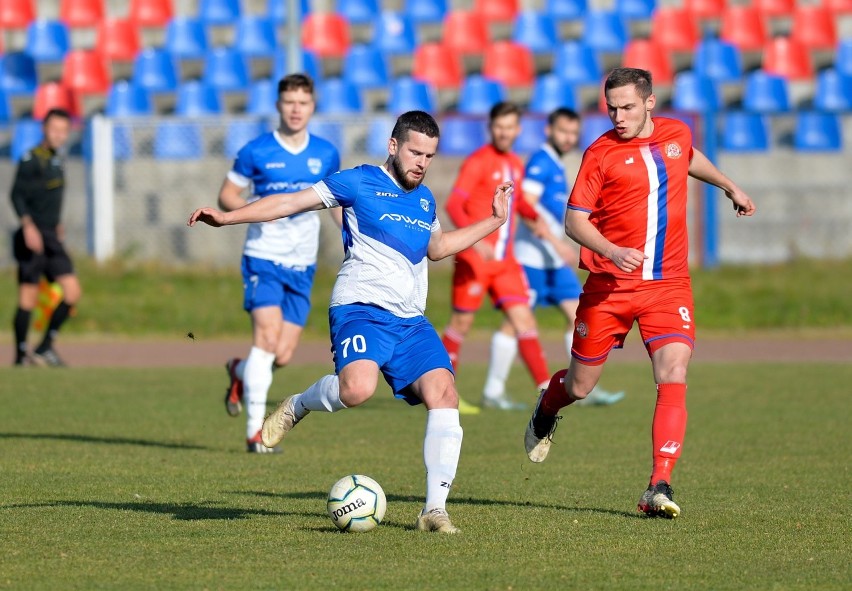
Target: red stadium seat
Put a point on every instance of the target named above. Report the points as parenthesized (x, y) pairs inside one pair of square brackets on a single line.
[(81, 13), (648, 55), (437, 65), (787, 57), (814, 27), (674, 29), (54, 95), (325, 34), (743, 26), (775, 7), (509, 63), (465, 32), (497, 10), (705, 9), (85, 72), (151, 13), (118, 40), (839, 6), (16, 14)]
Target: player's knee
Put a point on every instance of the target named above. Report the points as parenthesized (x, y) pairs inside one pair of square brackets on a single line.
[(673, 374), (356, 392), (284, 356), (444, 397)]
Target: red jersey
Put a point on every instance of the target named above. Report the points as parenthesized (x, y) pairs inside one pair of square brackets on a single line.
[(472, 195), (635, 191)]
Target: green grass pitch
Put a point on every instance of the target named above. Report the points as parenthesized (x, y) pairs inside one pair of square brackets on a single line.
[(136, 479)]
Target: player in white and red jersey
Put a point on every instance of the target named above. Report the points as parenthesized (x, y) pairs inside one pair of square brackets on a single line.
[(628, 212)]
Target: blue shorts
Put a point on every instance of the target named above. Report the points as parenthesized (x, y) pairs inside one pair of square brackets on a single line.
[(267, 283), (551, 287), (403, 348)]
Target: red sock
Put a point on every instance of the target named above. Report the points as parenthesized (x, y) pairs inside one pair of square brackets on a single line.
[(452, 343), (555, 397), (668, 429), (533, 356)]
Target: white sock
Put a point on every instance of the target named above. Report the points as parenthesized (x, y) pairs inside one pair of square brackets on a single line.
[(256, 382), (441, 450), (240, 370), (323, 395), (503, 351), (569, 342)]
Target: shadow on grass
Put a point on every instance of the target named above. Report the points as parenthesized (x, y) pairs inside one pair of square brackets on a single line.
[(107, 440)]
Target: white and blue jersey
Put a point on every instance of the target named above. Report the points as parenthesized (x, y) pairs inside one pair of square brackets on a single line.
[(272, 167)]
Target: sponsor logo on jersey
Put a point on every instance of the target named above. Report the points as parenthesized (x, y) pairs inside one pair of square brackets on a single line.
[(386, 194), (673, 150), (285, 187), (314, 165), (424, 203), (582, 329), (276, 165), (629, 160), (410, 222)]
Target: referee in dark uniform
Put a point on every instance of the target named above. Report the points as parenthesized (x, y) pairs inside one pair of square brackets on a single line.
[(37, 199)]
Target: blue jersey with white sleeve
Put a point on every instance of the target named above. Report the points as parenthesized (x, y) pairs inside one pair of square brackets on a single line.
[(386, 233), (272, 167)]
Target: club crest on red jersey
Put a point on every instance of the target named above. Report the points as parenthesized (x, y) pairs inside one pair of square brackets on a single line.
[(673, 150), (582, 329)]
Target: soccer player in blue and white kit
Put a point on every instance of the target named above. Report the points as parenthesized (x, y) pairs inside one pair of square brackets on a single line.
[(547, 260), (376, 315), (279, 257)]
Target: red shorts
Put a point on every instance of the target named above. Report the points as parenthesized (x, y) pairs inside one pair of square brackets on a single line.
[(503, 280), (663, 310)]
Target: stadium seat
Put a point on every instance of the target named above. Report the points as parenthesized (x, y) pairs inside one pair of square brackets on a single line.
[(186, 38), (438, 65), (817, 131), (705, 9), (118, 40), (775, 8), (26, 134), (566, 10), (219, 12), (532, 134), (196, 99), (225, 69), (478, 94), (833, 91), (743, 27), (335, 95), (262, 96), (604, 31), (766, 93), (255, 36), (592, 128), (696, 93), (154, 70), (461, 135), (178, 140), (674, 29), (332, 131), (5, 109), (843, 57), (408, 94), (744, 132), (47, 41), (151, 13), (277, 9), (325, 34), (240, 132), (17, 73), (788, 58), (577, 63), (394, 34), (81, 13), (122, 142), (466, 32), (646, 54), (126, 99), (17, 14), (814, 27), (504, 11), (718, 60), (378, 133), (425, 11), (54, 95), (365, 67), (635, 9), (537, 31), (310, 65), (551, 92), (509, 63), (358, 12)]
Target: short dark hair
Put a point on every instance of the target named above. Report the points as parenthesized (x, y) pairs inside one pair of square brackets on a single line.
[(56, 112), (561, 112), (296, 82), (419, 121), (501, 109), (641, 79)]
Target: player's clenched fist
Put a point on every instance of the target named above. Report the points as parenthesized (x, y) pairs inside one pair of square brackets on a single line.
[(627, 259), (208, 215)]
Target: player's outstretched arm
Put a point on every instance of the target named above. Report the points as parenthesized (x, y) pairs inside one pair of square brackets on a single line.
[(702, 169), (444, 244), (271, 207), (582, 231)]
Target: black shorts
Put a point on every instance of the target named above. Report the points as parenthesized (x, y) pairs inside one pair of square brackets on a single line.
[(52, 263)]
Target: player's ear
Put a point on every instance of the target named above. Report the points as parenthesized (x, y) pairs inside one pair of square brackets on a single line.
[(392, 146), (651, 102)]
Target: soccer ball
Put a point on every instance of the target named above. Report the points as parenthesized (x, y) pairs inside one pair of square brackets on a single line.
[(356, 503)]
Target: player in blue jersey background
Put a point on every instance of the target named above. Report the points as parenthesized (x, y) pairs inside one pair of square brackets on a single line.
[(376, 315), (279, 258)]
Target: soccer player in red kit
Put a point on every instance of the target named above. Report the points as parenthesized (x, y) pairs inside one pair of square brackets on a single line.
[(490, 266), (627, 210)]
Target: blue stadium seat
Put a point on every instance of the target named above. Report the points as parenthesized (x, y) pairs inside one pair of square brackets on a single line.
[(408, 94), (219, 12), (605, 31), (478, 94), (240, 132), (47, 41), (5, 108), (394, 33), (566, 10), (425, 11), (817, 131), (577, 62), (262, 96), (551, 92), (378, 133), (196, 99), (843, 56), (766, 93), (178, 140), (833, 91), (126, 99), (593, 127), (154, 70), (331, 131), (536, 30), (186, 38), (225, 69), (335, 95), (358, 12), (26, 134), (694, 92), (365, 67), (462, 135), (718, 60), (255, 36), (277, 9), (532, 134), (743, 131), (18, 73), (635, 9), (310, 65)]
